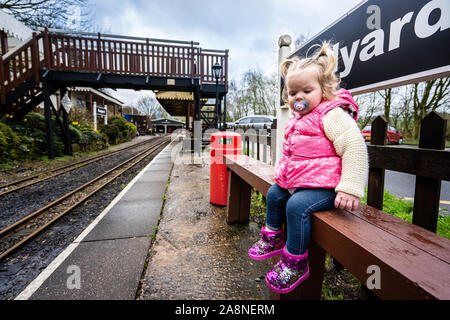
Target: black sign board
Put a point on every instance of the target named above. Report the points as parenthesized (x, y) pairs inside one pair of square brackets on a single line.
[(101, 111), (386, 43)]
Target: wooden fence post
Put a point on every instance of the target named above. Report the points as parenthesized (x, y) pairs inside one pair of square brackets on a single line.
[(35, 57), (376, 175), (99, 53), (247, 141), (428, 190), (2, 82), (273, 142), (47, 52), (238, 210)]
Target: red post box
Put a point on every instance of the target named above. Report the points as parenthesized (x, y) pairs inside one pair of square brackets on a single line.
[(223, 142)]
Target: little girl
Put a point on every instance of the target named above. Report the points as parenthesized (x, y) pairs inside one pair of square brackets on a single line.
[(324, 164)]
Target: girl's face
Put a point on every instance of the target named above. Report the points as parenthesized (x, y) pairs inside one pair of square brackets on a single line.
[(304, 85)]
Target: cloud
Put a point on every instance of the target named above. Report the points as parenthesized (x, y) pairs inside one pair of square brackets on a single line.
[(248, 28)]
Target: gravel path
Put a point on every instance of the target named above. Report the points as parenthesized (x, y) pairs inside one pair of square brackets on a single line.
[(19, 269)]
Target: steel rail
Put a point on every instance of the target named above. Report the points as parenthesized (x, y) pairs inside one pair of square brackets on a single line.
[(71, 167), (3, 233)]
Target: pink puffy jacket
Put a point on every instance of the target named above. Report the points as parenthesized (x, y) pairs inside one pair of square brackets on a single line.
[(309, 159)]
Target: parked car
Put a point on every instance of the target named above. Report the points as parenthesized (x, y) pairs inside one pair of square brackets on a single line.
[(256, 121), (394, 136)]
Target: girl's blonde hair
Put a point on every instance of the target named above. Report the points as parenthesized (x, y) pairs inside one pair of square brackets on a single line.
[(324, 60)]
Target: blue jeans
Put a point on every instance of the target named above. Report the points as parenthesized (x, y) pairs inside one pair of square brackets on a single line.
[(296, 209)]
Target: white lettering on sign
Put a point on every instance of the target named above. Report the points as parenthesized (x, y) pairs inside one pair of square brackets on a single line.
[(396, 30), (101, 111), (422, 28), (348, 59), (375, 47), (372, 44)]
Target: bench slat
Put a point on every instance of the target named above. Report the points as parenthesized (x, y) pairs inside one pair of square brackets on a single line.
[(406, 271), (256, 173), (421, 238)]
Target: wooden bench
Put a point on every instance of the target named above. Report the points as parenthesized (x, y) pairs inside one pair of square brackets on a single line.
[(413, 263)]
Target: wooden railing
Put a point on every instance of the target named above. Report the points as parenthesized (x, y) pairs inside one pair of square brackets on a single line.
[(429, 162), (77, 53), (18, 66), (88, 53), (207, 60), (258, 145)]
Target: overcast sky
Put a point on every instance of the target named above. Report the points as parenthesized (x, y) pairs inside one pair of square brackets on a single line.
[(249, 29)]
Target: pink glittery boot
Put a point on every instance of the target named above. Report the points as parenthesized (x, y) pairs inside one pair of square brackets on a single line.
[(288, 273), (271, 244)]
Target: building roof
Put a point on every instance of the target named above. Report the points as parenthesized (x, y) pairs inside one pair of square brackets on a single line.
[(99, 93)]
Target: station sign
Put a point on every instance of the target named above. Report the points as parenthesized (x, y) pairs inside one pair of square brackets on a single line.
[(101, 111), (387, 43)]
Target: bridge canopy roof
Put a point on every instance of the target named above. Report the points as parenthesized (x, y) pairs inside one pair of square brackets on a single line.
[(175, 102), (175, 95)]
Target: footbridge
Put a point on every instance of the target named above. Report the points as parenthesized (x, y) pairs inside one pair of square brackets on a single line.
[(53, 60)]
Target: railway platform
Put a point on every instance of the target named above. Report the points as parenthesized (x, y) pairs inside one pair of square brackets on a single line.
[(194, 255)]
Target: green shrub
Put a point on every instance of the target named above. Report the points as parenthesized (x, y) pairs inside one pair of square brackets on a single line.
[(112, 132), (119, 122), (84, 127), (132, 130), (35, 120), (127, 129), (8, 143), (75, 134), (92, 141), (27, 139)]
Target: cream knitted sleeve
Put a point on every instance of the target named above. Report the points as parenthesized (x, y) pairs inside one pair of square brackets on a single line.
[(343, 131)]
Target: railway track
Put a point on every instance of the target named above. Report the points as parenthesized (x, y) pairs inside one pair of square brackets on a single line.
[(17, 234), (45, 175)]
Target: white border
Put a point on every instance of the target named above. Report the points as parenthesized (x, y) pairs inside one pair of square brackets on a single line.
[(47, 272), (411, 78)]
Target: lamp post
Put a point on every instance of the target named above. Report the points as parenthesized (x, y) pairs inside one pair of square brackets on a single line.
[(217, 68)]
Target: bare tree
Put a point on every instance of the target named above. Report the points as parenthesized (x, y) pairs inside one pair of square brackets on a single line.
[(260, 91), (369, 105), (428, 96), (386, 94), (401, 113), (233, 112), (62, 14), (150, 106), (129, 110), (255, 94)]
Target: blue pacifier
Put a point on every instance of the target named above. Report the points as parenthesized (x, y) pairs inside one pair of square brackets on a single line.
[(301, 105)]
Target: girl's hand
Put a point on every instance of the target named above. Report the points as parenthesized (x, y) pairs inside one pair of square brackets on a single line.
[(346, 201)]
